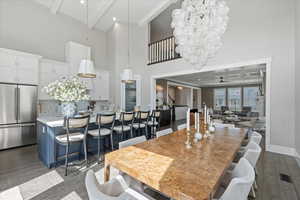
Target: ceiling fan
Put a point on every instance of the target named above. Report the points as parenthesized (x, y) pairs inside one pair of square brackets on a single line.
[(221, 79)]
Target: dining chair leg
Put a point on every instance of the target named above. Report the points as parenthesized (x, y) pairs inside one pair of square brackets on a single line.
[(253, 192), (66, 160), (146, 131), (255, 185)]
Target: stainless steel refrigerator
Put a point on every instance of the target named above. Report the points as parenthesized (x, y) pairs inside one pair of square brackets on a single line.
[(17, 115)]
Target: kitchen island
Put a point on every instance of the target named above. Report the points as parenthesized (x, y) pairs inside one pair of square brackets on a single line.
[(51, 153)]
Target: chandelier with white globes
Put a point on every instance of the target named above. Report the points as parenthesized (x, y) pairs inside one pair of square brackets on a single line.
[(198, 29)]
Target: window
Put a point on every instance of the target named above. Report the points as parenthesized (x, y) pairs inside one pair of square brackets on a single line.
[(234, 99), (219, 98), (250, 97)]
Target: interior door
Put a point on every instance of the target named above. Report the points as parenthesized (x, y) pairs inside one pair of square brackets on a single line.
[(27, 100), (8, 104)]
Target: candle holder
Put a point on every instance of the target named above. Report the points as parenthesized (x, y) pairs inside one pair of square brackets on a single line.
[(198, 135), (206, 131), (188, 143)]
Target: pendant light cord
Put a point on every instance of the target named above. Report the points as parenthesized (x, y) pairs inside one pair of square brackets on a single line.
[(128, 34), (87, 23), (87, 19)]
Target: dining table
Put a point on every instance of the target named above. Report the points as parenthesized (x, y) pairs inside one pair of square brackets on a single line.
[(168, 166)]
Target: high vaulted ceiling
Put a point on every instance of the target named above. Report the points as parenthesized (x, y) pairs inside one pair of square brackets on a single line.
[(234, 76), (102, 12)]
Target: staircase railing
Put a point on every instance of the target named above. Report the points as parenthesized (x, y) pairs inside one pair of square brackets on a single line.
[(162, 51)]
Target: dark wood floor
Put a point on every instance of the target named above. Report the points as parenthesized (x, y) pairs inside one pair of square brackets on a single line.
[(21, 165)]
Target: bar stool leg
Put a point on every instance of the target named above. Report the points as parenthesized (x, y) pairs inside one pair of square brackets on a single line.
[(98, 150), (146, 131), (66, 160), (111, 142), (85, 151)]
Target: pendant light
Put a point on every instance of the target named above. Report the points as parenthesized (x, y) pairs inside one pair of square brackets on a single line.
[(127, 75), (86, 68)]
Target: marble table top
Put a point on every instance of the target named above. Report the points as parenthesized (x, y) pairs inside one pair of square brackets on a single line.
[(168, 166)]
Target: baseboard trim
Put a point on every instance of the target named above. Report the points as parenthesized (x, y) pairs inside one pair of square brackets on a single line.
[(281, 150)]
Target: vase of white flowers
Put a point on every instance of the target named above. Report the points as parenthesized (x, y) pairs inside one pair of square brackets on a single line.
[(68, 91)]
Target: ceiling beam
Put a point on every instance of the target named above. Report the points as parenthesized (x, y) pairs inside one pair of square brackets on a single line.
[(105, 6), (156, 11), (56, 6)]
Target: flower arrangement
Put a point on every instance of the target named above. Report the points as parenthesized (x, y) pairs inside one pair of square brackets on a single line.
[(67, 90)]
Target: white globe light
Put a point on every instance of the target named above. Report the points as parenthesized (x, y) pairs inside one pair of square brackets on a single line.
[(198, 28)]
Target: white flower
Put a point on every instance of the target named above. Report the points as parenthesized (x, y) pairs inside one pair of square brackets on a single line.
[(67, 90)]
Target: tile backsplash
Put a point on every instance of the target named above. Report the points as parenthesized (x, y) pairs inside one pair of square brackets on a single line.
[(52, 108)]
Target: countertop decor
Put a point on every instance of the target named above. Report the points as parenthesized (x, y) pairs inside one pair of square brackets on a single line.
[(68, 91)]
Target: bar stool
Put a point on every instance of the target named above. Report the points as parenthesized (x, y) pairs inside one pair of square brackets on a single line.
[(154, 122), (105, 124), (140, 122), (72, 124), (126, 120)]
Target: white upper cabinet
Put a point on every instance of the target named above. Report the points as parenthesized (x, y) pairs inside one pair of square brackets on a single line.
[(51, 71), (18, 67), (100, 86), (8, 68)]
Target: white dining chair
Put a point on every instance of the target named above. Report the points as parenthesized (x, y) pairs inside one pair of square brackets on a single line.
[(256, 137), (164, 132), (219, 125), (242, 178), (180, 127), (252, 155), (115, 189), (132, 141), (133, 183)]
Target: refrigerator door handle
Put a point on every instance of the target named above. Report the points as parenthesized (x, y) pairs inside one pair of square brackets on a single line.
[(26, 125), (9, 126), (16, 104)]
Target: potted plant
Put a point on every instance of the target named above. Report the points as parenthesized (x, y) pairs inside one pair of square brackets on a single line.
[(68, 91)]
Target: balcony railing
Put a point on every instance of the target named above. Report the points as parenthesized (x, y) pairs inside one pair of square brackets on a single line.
[(162, 51)]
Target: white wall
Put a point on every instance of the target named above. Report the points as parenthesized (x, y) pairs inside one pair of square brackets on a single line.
[(119, 38), (30, 27), (257, 29), (297, 80)]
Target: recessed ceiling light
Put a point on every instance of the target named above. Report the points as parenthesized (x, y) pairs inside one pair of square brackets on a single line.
[(82, 2), (114, 19)]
